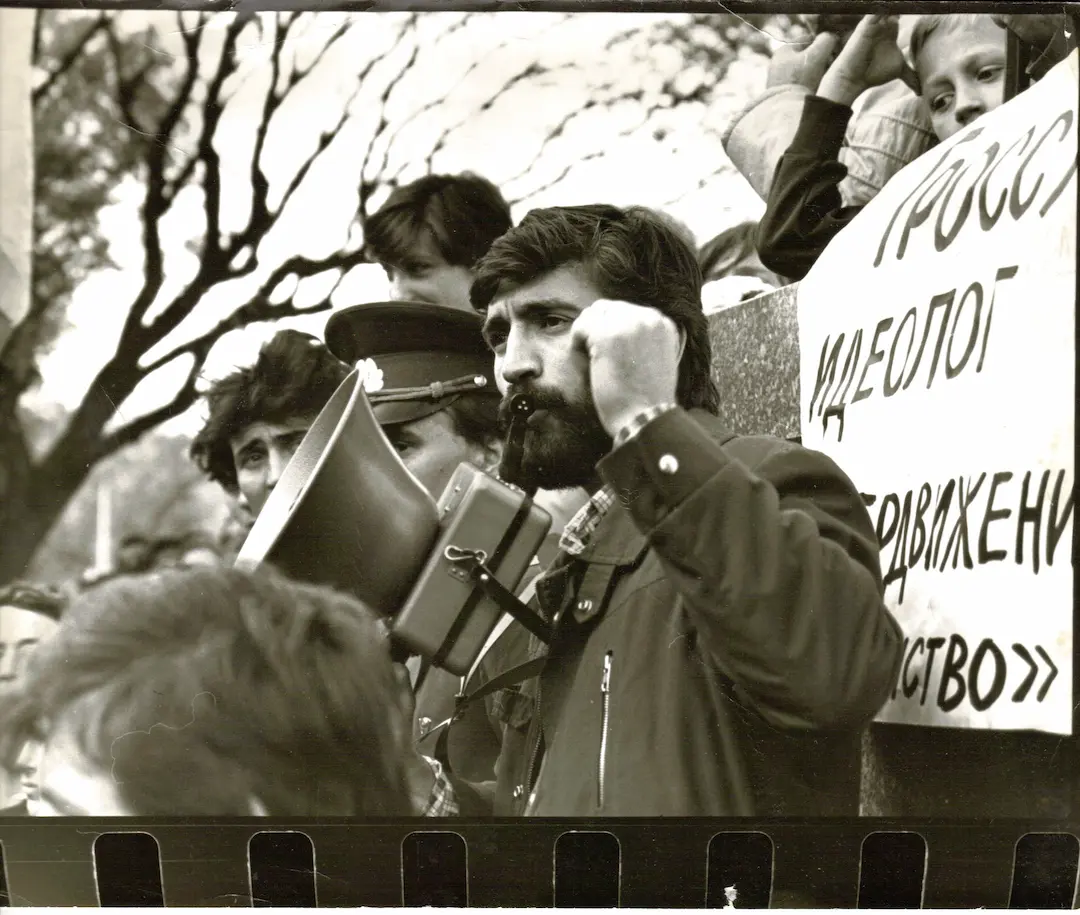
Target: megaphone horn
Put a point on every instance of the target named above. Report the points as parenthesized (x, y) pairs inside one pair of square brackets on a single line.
[(347, 512)]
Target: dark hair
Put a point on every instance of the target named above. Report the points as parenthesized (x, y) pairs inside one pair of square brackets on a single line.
[(243, 683), (461, 214), (632, 254), (728, 253), (476, 418), (44, 599), (293, 377)]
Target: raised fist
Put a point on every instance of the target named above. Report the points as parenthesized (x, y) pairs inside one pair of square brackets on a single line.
[(633, 354)]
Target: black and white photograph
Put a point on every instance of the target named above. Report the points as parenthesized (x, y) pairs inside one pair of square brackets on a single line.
[(471, 414)]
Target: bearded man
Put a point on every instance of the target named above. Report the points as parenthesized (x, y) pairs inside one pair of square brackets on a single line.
[(720, 635)]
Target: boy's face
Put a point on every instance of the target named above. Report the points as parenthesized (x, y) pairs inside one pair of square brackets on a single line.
[(260, 454), (426, 277), (961, 68)]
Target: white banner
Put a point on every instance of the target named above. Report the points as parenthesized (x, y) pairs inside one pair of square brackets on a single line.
[(938, 369)]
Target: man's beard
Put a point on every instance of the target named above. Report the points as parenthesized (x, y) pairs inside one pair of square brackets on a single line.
[(564, 442)]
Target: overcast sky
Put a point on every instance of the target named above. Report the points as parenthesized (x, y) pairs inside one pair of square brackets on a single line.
[(498, 144)]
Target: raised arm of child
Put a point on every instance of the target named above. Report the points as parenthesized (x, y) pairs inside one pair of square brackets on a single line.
[(804, 211)]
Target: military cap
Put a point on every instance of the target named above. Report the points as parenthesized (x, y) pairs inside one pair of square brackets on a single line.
[(420, 357)]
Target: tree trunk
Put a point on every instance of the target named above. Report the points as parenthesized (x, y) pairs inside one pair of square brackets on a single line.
[(33, 495)]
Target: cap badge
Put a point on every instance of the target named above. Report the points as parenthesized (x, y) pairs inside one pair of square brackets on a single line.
[(371, 374)]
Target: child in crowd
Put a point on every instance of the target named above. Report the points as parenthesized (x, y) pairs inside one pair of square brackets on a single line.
[(214, 692), (959, 67), (732, 271)]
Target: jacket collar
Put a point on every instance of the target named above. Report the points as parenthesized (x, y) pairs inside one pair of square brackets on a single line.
[(617, 540)]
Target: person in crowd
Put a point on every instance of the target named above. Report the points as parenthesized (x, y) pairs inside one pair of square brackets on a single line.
[(416, 352), (720, 636), (271, 698), (959, 66), (430, 233), (731, 269), (889, 126), (29, 616), (428, 236), (259, 415)]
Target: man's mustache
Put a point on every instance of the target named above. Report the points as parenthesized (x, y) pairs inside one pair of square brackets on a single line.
[(542, 400)]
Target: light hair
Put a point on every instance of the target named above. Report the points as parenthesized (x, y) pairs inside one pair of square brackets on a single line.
[(243, 683), (925, 26)]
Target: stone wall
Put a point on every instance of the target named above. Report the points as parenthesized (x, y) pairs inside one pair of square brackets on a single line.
[(907, 771)]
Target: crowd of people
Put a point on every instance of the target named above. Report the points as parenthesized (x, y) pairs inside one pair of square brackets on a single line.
[(719, 637)]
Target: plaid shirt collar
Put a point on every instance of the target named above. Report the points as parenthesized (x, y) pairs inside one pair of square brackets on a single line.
[(579, 530), (442, 801)]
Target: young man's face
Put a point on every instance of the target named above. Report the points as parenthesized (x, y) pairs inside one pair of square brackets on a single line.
[(432, 449), (260, 455), (529, 330), (425, 276), (961, 68), (71, 785), (21, 631)]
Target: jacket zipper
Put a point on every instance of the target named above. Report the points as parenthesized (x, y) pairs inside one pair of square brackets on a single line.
[(529, 772), (605, 700)]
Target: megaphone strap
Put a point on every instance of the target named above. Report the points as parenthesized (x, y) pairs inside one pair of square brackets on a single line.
[(511, 677), (482, 574)]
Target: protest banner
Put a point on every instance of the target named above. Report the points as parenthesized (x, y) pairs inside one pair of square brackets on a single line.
[(937, 368)]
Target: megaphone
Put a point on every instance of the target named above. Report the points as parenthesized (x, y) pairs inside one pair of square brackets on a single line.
[(348, 513)]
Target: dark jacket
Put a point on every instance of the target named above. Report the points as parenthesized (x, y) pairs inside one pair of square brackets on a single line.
[(15, 810), (738, 600), (804, 211)]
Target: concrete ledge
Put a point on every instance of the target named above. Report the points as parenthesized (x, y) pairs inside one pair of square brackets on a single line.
[(755, 348)]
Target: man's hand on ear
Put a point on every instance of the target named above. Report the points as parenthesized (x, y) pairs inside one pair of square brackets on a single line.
[(633, 354)]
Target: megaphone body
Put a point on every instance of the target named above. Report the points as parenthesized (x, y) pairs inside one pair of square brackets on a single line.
[(348, 513)]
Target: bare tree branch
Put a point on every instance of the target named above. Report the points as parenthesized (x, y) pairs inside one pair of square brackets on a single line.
[(596, 154), (533, 69), (325, 139), (299, 73), (410, 24), (128, 433), (560, 128), (125, 87), (260, 186), (697, 185), (158, 194), (68, 60), (433, 103), (213, 108), (35, 38)]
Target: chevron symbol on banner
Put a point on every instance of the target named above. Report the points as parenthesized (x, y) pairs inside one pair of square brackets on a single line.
[(1033, 669)]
